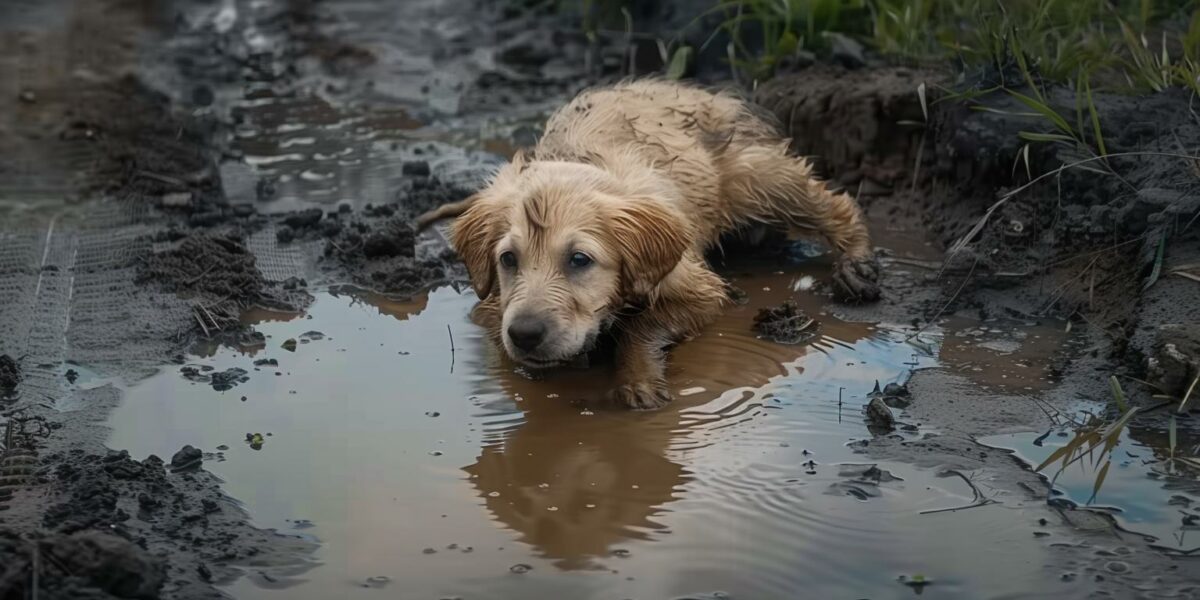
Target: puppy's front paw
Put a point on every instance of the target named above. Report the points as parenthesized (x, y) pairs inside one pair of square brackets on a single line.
[(643, 395), (856, 279)]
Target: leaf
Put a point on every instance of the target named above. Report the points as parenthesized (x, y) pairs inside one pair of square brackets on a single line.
[(1063, 452), (1118, 394), (1087, 87), (1116, 427), (679, 63), (1100, 480), (1158, 262), (1045, 111), (788, 42)]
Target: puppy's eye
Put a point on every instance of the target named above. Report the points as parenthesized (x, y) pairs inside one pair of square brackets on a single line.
[(509, 260), (580, 260)]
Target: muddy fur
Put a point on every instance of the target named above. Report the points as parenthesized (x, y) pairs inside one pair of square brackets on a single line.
[(641, 179)]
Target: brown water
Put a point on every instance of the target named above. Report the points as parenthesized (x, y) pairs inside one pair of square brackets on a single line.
[(454, 474)]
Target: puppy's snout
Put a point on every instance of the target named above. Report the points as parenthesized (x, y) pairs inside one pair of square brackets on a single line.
[(527, 332)]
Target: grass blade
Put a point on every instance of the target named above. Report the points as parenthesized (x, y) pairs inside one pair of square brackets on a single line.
[(1118, 394), (679, 62), (1188, 396), (1171, 435), (1033, 136), (1047, 112), (1158, 262), (1087, 88)]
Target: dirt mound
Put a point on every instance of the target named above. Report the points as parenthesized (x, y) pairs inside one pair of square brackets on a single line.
[(861, 127), (10, 375), (89, 564), (785, 324)]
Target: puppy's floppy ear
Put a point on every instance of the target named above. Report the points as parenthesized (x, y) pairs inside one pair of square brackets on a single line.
[(652, 239), (474, 236)]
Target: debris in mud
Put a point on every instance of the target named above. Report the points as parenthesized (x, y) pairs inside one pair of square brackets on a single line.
[(311, 336), (10, 374), (289, 345), (85, 564), (255, 440), (227, 379), (395, 238), (785, 324), (218, 268), (1174, 365)]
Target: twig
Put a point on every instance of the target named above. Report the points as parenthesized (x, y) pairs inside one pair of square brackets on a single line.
[(193, 280), (979, 500), (451, 334), (966, 239), (948, 303)]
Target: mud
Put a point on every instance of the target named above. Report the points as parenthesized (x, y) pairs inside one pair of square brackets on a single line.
[(10, 375)]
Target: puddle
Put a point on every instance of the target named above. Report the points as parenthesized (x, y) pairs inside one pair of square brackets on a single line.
[(1006, 355), (1145, 492), (453, 474)]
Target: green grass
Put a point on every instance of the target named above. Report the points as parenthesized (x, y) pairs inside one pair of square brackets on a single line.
[(1128, 45)]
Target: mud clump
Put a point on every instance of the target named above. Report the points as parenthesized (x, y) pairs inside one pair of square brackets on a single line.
[(216, 268), (10, 375), (1175, 362), (785, 324), (206, 264), (87, 564), (395, 238)]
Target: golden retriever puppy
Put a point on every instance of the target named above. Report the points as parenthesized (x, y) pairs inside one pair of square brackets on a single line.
[(603, 227)]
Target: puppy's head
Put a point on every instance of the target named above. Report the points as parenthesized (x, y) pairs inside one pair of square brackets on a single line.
[(561, 247)]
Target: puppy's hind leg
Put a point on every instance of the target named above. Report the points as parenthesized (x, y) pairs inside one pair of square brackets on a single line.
[(766, 183)]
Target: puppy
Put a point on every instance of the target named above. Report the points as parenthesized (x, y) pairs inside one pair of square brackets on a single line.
[(603, 227)]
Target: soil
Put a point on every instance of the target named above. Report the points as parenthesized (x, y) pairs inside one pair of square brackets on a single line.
[(152, 152), (10, 374)]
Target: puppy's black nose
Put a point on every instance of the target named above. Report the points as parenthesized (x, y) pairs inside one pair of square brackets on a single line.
[(527, 333)]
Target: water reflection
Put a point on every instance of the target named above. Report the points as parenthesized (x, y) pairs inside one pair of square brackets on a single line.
[(576, 477)]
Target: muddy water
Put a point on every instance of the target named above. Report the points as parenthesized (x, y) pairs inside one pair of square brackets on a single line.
[(450, 473)]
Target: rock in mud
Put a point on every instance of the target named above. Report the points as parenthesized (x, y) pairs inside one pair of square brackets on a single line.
[(188, 458), (227, 379), (10, 374), (879, 416), (785, 324), (1175, 362)]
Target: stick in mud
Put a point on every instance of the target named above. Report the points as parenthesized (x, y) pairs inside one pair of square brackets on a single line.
[(451, 334)]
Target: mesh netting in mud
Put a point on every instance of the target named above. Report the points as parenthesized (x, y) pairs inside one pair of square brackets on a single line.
[(215, 268), (785, 324)]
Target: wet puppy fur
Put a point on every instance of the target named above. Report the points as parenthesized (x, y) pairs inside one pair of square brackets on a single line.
[(604, 225)]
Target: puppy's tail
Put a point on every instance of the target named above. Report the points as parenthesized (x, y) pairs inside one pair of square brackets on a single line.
[(445, 211)]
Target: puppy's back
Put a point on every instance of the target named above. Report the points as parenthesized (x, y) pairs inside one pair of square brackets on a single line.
[(660, 119)]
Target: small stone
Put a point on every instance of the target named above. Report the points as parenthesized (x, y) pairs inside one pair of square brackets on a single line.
[(289, 345)]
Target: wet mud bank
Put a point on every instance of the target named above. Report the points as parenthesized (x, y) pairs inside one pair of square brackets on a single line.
[(184, 191)]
